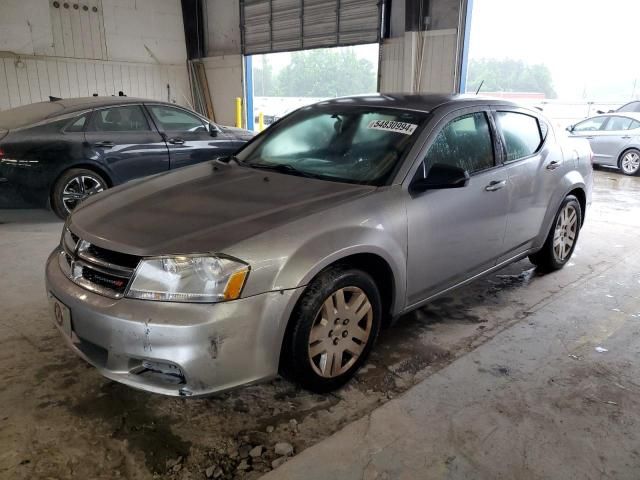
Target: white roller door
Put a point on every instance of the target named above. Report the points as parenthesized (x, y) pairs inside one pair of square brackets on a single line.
[(284, 25)]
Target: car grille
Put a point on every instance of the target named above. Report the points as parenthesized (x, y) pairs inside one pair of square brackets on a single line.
[(97, 269)]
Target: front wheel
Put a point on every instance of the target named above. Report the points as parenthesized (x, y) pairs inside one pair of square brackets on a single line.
[(630, 162), (561, 240), (73, 187), (334, 326)]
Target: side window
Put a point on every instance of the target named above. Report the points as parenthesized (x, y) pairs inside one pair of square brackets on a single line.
[(77, 124), (590, 125), (464, 142), (618, 123), (176, 119), (634, 124), (521, 134), (129, 118)]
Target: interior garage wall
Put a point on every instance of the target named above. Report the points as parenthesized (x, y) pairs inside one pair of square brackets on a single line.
[(102, 46), (427, 60), (224, 62)]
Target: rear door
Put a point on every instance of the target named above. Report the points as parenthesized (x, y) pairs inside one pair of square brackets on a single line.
[(614, 139), (456, 233), (122, 138), (534, 169), (189, 138)]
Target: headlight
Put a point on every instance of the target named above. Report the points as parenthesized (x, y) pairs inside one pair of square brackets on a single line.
[(203, 279)]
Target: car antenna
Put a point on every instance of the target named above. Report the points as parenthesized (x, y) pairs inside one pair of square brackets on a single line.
[(479, 87)]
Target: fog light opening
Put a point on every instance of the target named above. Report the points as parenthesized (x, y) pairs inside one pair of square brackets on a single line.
[(170, 373)]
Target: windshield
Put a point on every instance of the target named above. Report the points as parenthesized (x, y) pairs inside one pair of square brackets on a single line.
[(355, 145)]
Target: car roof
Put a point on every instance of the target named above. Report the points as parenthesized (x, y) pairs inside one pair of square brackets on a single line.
[(417, 102), (632, 115), (36, 112)]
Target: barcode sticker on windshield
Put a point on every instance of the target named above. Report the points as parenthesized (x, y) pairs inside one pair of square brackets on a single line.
[(391, 126)]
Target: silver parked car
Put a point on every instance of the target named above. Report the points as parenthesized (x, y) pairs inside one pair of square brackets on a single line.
[(614, 139), (290, 257)]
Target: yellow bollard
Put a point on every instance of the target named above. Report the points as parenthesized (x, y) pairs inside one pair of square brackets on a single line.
[(238, 112), (260, 121)]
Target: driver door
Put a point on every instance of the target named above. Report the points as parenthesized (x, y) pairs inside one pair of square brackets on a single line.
[(456, 233), (188, 137)]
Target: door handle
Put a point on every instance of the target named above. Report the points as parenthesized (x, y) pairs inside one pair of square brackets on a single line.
[(175, 141), (105, 144), (553, 165), (626, 137), (495, 185), (589, 138)]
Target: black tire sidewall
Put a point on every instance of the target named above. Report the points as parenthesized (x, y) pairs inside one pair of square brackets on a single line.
[(297, 364), (552, 261), (57, 204)]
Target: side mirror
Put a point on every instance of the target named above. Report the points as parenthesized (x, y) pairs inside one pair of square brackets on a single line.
[(213, 130), (570, 128), (441, 176)]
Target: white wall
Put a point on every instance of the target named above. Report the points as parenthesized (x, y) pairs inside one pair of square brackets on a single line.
[(136, 46), (224, 74), (223, 64)]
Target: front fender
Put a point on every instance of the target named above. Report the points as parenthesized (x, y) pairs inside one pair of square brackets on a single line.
[(331, 247)]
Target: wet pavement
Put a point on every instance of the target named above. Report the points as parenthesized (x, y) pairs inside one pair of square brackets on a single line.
[(60, 419)]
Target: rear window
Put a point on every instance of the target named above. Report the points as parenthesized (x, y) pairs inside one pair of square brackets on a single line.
[(28, 114), (521, 134)]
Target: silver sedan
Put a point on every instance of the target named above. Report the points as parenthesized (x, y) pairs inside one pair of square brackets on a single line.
[(288, 258), (614, 139)]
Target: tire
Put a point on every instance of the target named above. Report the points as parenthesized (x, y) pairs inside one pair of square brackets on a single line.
[(339, 349), (630, 162), (565, 225), (72, 187)]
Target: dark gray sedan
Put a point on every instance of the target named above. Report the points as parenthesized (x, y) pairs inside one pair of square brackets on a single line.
[(614, 139), (58, 153), (289, 257)]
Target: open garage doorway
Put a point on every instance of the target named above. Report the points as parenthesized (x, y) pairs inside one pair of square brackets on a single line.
[(572, 59), (283, 82)]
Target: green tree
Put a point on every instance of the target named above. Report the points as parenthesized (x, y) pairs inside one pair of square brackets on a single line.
[(326, 73), (509, 76)]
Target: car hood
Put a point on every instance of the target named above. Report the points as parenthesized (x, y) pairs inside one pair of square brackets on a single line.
[(204, 208), (239, 133)]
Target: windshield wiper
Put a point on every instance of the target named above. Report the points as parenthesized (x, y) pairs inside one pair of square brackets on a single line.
[(283, 168)]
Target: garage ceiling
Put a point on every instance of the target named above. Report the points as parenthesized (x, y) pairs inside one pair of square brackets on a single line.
[(283, 25)]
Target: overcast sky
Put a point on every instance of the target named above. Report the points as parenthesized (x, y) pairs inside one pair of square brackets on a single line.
[(590, 46)]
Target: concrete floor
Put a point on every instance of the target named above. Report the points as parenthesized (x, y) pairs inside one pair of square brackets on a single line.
[(497, 380)]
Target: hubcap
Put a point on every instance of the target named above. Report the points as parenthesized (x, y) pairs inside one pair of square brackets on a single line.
[(79, 188), (631, 162), (564, 235), (340, 332)]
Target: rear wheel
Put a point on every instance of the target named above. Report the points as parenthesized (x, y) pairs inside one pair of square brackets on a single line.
[(630, 162), (73, 187), (335, 324), (561, 240)]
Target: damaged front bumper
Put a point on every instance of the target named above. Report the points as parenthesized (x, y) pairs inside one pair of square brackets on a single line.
[(173, 348)]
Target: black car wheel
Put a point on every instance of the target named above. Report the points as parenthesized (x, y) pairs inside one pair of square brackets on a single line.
[(561, 240), (73, 187), (334, 326)]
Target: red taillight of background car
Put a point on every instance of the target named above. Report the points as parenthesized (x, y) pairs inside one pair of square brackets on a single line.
[(1, 153)]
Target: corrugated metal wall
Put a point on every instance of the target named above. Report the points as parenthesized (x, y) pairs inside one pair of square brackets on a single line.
[(25, 80), (281, 25), (420, 62), (73, 49)]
